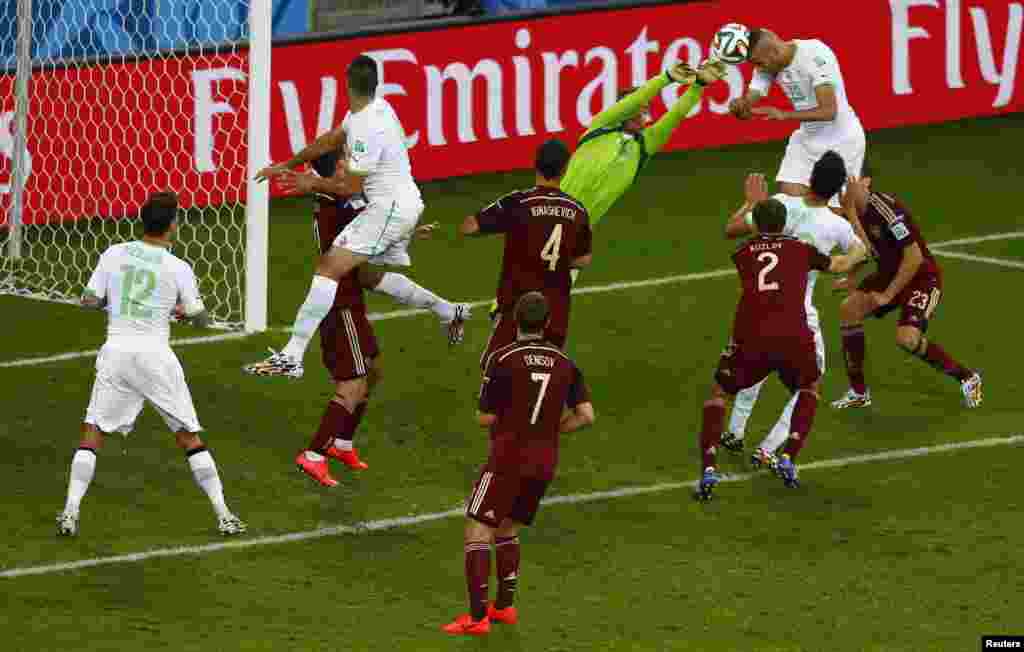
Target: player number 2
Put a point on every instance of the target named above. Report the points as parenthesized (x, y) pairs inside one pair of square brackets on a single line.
[(552, 248), (762, 282), (543, 379)]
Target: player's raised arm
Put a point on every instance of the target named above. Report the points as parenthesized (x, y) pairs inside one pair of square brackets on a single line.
[(331, 141), (658, 134), (828, 107), (637, 101), (755, 190)]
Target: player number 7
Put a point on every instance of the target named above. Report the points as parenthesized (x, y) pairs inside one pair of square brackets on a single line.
[(543, 379)]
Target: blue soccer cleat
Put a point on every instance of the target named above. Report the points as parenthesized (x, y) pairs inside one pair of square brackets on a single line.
[(706, 485), (787, 471)]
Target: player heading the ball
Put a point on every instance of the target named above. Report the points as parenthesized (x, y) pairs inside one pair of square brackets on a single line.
[(808, 73)]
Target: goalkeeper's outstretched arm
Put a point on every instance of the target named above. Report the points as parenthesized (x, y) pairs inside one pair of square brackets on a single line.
[(630, 105), (658, 134)]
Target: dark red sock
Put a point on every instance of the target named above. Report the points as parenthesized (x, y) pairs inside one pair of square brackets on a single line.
[(803, 419), (937, 357), (711, 433), (854, 348), (336, 419), (357, 418), (478, 573), (506, 552)]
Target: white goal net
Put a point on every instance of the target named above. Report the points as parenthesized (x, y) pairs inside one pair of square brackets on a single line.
[(103, 102)]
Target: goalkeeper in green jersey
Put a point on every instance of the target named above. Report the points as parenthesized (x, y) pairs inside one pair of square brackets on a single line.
[(619, 142)]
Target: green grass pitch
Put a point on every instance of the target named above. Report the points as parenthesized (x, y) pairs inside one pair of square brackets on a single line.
[(919, 553)]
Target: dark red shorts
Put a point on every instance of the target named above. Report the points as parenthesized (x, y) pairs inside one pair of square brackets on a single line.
[(917, 302), (746, 364), (348, 344), (497, 496), (505, 333)]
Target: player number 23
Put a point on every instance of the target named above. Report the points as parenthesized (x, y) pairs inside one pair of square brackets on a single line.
[(763, 284), (543, 379)]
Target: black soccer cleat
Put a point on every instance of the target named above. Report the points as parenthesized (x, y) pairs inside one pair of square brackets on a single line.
[(732, 443)]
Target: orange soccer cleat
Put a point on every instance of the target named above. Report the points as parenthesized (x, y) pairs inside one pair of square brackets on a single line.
[(508, 615), (316, 469), (349, 458), (466, 626)]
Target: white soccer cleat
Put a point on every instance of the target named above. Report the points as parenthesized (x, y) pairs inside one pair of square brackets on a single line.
[(67, 524), (278, 364), (231, 525), (971, 389), (852, 399), (456, 328)]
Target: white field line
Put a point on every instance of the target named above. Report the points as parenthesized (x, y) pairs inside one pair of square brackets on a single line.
[(592, 289), (1009, 235), (407, 521), (381, 316), (1000, 262)]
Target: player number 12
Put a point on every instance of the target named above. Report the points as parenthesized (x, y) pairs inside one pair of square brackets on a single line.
[(543, 379)]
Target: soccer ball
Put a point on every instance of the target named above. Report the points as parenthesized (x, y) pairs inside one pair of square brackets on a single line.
[(731, 44)]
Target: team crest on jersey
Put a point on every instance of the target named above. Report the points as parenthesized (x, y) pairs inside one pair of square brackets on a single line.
[(359, 147)]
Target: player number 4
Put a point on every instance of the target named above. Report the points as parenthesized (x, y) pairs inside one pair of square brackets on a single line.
[(762, 282), (552, 248), (543, 379)]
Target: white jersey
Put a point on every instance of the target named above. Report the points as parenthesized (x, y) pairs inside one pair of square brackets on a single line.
[(142, 283), (376, 149), (819, 227), (814, 65)]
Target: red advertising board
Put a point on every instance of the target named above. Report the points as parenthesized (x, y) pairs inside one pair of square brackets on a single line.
[(478, 98)]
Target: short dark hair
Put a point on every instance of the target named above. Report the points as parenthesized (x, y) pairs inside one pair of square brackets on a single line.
[(770, 216), (828, 175), (532, 312), (552, 159), (159, 212), (755, 37), (362, 76)]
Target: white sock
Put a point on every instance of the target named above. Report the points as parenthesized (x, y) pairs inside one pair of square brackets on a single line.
[(405, 291), (780, 433), (741, 409), (83, 468), (343, 444), (574, 274), (204, 470), (316, 306)]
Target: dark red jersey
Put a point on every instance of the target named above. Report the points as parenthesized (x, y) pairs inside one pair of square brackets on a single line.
[(773, 271), (528, 384), (330, 218), (891, 228), (545, 229)]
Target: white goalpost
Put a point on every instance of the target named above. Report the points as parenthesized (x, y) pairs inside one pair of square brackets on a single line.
[(95, 115)]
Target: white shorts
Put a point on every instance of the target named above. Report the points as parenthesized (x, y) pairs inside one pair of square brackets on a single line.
[(802, 153), (383, 231), (126, 378)]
